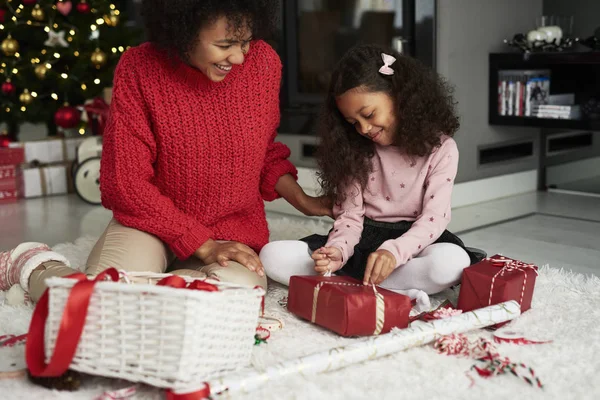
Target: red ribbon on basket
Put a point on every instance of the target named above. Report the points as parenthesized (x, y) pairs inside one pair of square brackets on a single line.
[(73, 321), (508, 265), (180, 283), (69, 332)]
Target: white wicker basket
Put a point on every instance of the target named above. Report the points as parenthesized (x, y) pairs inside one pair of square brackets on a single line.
[(159, 335)]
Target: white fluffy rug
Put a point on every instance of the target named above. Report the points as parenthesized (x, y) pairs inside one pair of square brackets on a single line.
[(566, 309)]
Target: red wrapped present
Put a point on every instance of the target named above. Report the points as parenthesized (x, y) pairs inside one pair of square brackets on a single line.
[(8, 176), (346, 306), (12, 155), (8, 195), (494, 280)]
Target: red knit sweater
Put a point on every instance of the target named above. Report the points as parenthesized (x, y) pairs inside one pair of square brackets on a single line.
[(187, 159)]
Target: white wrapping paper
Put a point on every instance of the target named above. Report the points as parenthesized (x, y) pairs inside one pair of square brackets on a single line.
[(418, 334)]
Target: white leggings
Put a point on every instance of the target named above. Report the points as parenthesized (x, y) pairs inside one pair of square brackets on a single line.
[(436, 268)]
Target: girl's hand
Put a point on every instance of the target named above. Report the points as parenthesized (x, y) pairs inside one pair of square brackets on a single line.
[(380, 265), (221, 252), (321, 206), (327, 259)]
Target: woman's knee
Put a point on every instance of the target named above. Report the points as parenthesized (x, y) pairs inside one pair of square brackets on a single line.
[(236, 273), (129, 249)]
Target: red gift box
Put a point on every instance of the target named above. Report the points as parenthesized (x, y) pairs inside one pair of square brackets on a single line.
[(8, 195), (8, 176), (346, 306), (12, 155), (494, 280)]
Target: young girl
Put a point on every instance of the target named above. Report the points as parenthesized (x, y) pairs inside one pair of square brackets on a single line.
[(388, 158)]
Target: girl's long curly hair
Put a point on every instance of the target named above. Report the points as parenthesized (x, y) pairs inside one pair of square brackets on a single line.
[(425, 110)]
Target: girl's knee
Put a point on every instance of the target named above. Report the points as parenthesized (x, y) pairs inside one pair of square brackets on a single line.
[(445, 265), (285, 258)]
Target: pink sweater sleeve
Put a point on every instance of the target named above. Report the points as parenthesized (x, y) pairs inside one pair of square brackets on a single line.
[(435, 215), (348, 225)]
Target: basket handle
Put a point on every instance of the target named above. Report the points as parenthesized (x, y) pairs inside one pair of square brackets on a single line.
[(69, 332)]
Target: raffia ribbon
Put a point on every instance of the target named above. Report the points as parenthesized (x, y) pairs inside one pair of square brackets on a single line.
[(65, 153), (43, 182), (379, 301), (509, 266)]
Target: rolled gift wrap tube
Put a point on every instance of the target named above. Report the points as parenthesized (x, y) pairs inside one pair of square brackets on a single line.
[(418, 334)]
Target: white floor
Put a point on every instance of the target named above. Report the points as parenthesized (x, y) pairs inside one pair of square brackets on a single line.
[(543, 228)]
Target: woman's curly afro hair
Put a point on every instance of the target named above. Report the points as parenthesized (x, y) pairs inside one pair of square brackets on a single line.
[(424, 106), (174, 24)]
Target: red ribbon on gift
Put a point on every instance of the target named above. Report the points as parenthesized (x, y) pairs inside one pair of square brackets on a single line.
[(508, 265), (98, 110), (73, 321)]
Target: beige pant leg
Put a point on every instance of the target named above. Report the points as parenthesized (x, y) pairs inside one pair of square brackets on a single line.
[(128, 249), (38, 277), (120, 247), (234, 273)]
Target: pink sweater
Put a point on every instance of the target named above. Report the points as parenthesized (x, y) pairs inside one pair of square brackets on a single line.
[(400, 188)]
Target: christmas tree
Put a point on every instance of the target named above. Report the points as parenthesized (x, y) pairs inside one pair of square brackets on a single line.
[(55, 55)]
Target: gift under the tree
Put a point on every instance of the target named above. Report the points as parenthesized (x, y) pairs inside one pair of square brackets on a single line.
[(495, 280), (11, 156), (46, 180), (346, 306), (49, 151), (9, 174)]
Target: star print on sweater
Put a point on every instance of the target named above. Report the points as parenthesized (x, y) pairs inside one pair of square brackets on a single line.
[(428, 194)]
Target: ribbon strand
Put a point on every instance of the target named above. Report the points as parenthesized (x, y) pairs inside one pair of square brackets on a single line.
[(507, 267)]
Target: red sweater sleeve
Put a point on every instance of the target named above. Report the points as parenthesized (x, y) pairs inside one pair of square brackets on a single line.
[(129, 151), (276, 160)]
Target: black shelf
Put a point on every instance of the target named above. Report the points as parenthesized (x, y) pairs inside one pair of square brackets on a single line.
[(571, 72), (573, 124)]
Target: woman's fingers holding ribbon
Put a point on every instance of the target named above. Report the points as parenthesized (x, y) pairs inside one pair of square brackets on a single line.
[(380, 265)]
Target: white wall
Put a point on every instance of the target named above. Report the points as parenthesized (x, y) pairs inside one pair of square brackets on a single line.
[(467, 31)]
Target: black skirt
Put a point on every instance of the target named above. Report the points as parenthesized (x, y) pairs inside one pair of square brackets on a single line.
[(373, 235)]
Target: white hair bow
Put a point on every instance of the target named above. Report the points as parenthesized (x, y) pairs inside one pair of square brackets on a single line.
[(387, 61)]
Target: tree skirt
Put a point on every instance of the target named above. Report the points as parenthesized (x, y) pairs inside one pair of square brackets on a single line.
[(565, 310)]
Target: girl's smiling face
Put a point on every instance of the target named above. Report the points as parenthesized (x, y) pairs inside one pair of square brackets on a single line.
[(371, 113)]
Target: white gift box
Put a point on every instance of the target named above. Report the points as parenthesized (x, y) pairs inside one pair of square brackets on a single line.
[(45, 180), (50, 151)]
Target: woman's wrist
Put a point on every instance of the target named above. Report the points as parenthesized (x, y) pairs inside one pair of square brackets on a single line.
[(205, 249)]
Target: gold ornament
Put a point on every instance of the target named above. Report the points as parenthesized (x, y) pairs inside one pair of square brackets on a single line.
[(98, 58), (25, 97), (10, 46), (112, 19), (41, 71), (38, 13)]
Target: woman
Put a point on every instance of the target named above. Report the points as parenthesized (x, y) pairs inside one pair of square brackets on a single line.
[(189, 152)]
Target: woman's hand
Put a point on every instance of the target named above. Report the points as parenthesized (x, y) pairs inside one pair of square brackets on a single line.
[(321, 206), (380, 265), (221, 252), (327, 259)]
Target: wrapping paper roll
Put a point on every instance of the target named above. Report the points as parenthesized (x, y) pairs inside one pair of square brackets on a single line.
[(418, 334)]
